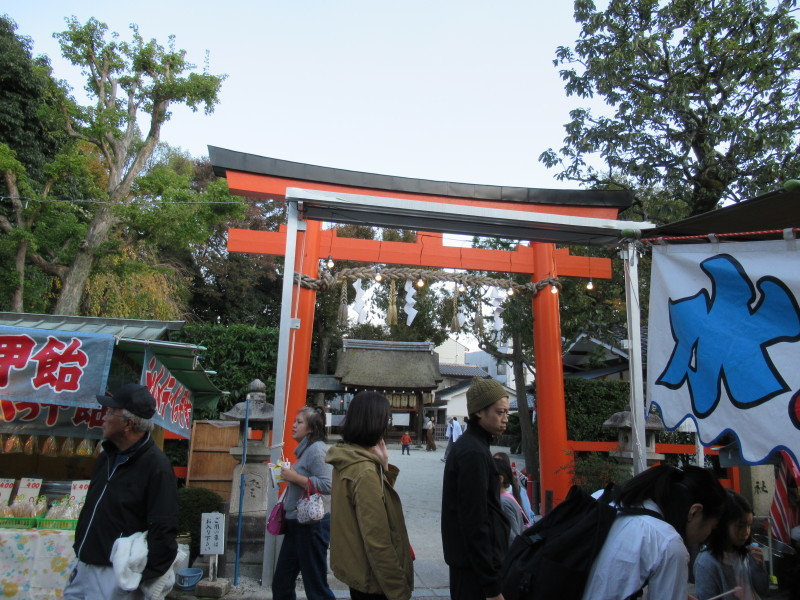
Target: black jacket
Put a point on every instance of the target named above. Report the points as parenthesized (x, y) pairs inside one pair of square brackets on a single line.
[(140, 494), (474, 528)]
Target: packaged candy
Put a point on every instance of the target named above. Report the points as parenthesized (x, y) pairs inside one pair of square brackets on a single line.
[(50, 447), (32, 445), (13, 444)]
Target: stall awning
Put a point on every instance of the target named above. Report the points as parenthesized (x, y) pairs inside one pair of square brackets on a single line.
[(133, 336)]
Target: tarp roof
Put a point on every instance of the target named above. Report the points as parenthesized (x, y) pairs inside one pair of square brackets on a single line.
[(133, 336), (769, 212)]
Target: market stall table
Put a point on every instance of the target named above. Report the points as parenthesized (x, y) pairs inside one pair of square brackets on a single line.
[(35, 563)]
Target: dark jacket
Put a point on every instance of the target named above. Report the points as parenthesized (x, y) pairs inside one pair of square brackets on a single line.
[(139, 494), (474, 529)]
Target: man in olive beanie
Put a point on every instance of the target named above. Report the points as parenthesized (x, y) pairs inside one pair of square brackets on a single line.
[(474, 528)]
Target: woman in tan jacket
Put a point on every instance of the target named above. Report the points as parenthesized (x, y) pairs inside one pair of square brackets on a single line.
[(370, 551)]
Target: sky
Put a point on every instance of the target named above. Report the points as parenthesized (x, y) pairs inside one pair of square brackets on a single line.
[(449, 90)]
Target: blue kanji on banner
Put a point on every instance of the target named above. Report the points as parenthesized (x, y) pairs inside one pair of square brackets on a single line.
[(722, 338)]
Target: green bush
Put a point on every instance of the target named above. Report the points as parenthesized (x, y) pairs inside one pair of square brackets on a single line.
[(589, 403), (192, 503)]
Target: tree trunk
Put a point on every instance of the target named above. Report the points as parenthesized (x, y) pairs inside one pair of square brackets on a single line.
[(17, 296), (529, 448), (74, 282)]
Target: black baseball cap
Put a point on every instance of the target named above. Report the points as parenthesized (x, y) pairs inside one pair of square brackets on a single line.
[(134, 398)]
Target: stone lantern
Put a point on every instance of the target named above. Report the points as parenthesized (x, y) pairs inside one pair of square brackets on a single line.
[(622, 422), (251, 481)]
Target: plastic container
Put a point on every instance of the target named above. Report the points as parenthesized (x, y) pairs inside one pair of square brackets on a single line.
[(18, 522), (186, 579), (57, 523)]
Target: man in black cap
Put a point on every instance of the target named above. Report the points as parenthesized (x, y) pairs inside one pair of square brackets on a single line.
[(133, 488), (474, 529)]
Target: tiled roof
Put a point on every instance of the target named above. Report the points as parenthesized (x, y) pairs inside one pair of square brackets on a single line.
[(451, 370)]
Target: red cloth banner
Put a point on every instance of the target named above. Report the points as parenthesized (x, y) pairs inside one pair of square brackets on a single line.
[(785, 513), (173, 399)]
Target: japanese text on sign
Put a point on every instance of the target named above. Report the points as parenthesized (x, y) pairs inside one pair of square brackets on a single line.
[(53, 367), (212, 533)]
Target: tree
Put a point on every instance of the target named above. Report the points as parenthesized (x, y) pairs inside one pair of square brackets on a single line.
[(124, 79), (704, 96), (149, 263), (27, 101)]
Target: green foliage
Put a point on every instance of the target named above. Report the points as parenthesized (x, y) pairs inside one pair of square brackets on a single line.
[(177, 452), (702, 96), (593, 471), (192, 503), (24, 98), (589, 403), (239, 354)]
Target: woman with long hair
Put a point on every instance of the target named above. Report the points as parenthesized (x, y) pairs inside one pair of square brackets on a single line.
[(370, 551), (650, 550), (729, 560), (516, 490), (517, 519), (305, 545)]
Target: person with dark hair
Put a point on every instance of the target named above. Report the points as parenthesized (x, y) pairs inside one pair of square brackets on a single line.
[(405, 444), (370, 551), (728, 559), (517, 490), (517, 519), (133, 489), (474, 528), (650, 551), (430, 430), (305, 545)]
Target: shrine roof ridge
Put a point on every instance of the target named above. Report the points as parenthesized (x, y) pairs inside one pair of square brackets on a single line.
[(223, 159)]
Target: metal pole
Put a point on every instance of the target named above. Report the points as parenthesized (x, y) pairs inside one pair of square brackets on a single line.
[(630, 255), (241, 489), (281, 376)]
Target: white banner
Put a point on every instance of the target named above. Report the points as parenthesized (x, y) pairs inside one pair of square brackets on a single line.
[(724, 342)]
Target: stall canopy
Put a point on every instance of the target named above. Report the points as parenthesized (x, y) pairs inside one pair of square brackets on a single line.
[(724, 326), (133, 340)]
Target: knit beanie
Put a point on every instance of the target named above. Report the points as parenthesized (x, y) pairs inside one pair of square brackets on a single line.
[(482, 393)]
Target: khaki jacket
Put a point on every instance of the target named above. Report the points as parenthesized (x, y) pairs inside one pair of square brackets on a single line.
[(370, 551)]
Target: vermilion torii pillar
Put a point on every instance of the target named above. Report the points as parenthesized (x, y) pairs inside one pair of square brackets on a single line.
[(265, 178)]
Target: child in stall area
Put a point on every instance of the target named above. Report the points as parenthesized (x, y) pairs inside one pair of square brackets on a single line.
[(729, 559)]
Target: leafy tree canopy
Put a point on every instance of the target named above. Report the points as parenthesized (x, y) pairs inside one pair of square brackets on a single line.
[(238, 353), (703, 97)]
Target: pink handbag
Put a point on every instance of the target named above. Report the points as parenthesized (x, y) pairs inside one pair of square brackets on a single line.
[(276, 523)]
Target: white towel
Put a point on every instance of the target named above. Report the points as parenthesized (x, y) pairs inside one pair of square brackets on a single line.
[(129, 557), (157, 589)]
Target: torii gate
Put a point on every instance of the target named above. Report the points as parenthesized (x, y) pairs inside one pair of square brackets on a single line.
[(265, 178)]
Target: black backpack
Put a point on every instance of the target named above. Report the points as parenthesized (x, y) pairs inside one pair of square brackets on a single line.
[(552, 558)]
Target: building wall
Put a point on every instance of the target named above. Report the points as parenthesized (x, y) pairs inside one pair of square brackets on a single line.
[(488, 362), (452, 352)]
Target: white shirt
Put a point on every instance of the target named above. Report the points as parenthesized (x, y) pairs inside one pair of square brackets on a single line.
[(638, 547), (456, 430)]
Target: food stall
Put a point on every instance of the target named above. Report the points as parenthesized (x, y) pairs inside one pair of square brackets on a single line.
[(51, 369)]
